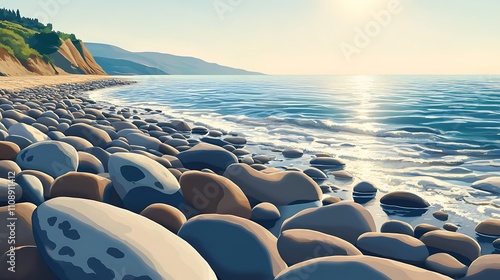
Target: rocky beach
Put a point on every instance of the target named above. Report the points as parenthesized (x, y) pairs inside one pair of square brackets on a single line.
[(94, 190)]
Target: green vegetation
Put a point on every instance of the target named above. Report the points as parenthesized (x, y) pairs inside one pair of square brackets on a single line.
[(23, 37), (13, 38)]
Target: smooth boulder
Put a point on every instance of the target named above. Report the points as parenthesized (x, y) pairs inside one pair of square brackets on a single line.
[(446, 264), (167, 216), (94, 135), (356, 267), (124, 245), (209, 156), (396, 246), (298, 245), (280, 188), (51, 157), (346, 220), (235, 248), (460, 246), (141, 181), (214, 194)]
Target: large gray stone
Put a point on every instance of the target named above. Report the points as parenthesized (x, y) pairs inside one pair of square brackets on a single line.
[(29, 132), (85, 239), (209, 156), (347, 220), (141, 181), (52, 157), (235, 248)]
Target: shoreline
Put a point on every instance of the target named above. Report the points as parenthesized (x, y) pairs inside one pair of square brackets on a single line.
[(27, 82), (90, 126)]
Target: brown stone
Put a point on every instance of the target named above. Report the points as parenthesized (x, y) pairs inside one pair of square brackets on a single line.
[(79, 185), (8, 150), (213, 194), (167, 216), (24, 232), (29, 265)]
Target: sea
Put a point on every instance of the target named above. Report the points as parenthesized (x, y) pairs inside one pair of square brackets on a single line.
[(431, 135)]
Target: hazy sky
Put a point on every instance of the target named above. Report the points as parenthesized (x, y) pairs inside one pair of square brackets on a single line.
[(294, 36)]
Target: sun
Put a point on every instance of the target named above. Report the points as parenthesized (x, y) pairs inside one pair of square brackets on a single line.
[(357, 8)]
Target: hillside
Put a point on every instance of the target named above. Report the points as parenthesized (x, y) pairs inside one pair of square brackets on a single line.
[(28, 47), (125, 67), (171, 64)]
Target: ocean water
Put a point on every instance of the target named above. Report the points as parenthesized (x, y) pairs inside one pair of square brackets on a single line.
[(432, 135)]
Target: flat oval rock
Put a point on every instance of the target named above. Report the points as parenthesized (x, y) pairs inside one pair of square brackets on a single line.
[(28, 131), (490, 227), (395, 226), (292, 153), (347, 220), (356, 267), (125, 244), (326, 162), (280, 188), (460, 246), (399, 247), (485, 267), (447, 265), (298, 245), (404, 199), (208, 156)]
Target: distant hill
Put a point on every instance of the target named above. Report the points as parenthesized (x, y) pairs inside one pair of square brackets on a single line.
[(171, 64), (125, 67), (28, 47)]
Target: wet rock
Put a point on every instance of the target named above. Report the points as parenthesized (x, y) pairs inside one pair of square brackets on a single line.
[(395, 226), (293, 153), (490, 227), (460, 246), (440, 215), (422, 229), (207, 156), (323, 162)]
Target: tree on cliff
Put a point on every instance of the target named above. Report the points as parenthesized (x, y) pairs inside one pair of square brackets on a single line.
[(45, 42)]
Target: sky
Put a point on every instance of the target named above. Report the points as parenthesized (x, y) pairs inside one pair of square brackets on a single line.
[(293, 37)]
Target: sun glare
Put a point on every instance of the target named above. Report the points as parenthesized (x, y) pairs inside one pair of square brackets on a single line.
[(357, 7)]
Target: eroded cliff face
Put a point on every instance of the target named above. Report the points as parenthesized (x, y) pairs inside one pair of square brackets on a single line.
[(73, 61), (69, 59)]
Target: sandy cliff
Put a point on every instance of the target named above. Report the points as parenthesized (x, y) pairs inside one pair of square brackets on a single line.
[(68, 59)]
